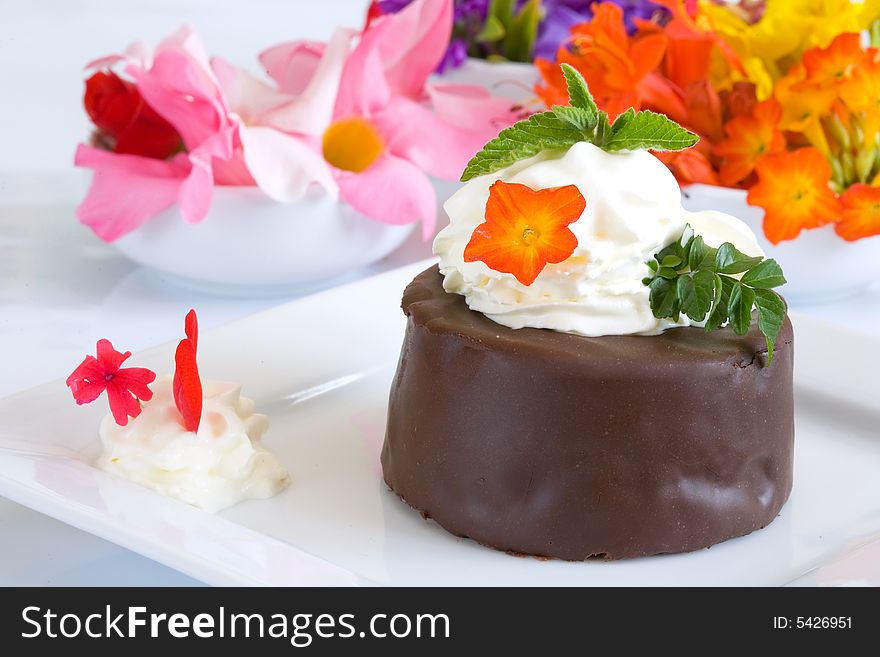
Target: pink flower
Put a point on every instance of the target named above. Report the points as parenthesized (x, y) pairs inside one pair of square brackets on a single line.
[(127, 190), (382, 138), (124, 386)]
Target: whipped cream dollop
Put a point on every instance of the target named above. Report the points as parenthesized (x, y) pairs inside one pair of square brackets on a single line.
[(633, 210), (220, 465)]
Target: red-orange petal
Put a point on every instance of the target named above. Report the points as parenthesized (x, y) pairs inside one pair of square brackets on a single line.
[(525, 229), (187, 386), (861, 212)]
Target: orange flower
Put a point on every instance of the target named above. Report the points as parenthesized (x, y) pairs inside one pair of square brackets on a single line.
[(619, 70), (861, 212), (803, 104), (793, 190), (749, 138), (861, 93), (689, 166), (831, 65), (525, 229)]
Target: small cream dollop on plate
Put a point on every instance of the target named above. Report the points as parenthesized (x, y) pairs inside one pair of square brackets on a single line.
[(220, 465)]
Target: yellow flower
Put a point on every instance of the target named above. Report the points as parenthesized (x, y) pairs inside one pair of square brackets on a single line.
[(770, 46)]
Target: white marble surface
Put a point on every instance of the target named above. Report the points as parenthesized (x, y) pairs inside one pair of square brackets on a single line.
[(61, 289)]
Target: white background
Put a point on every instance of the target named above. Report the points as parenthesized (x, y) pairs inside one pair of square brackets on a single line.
[(60, 288)]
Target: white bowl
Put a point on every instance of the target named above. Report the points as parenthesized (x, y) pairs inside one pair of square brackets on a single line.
[(250, 244), (513, 80), (818, 264)]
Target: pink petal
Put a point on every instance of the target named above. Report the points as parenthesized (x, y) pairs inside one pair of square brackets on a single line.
[(283, 166), (292, 65), (127, 190), (392, 191), (179, 91), (413, 45), (311, 111), (473, 107), (233, 172), (247, 96), (185, 41), (363, 88), (137, 53), (197, 190), (413, 132)]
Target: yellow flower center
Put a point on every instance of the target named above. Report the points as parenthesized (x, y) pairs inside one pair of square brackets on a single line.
[(529, 236), (352, 144)]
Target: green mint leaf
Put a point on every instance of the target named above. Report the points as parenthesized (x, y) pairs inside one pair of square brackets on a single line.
[(671, 261), (648, 129), (664, 298), (718, 315), (652, 265), (764, 276), (696, 294), (603, 130), (577, 118), (538, 133), (578, 93), (739, 308), (729, 260), (623, 119), (667, 272), (771, 314)]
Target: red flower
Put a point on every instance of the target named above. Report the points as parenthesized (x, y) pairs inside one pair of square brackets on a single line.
[(187, 385), (124, 386), (126, 123)]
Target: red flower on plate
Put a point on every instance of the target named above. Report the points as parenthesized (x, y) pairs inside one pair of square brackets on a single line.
[(126, 123), (187, 385), (125, 386)]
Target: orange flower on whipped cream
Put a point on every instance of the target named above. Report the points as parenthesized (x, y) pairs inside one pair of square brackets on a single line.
[(525, 229)]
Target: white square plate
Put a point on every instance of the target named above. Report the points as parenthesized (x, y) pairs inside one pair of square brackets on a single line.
[(320, 367)]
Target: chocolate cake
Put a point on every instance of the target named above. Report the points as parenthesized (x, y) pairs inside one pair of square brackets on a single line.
[(551, 444)]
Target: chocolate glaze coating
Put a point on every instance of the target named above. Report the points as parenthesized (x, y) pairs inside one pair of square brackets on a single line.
[(550, 444)]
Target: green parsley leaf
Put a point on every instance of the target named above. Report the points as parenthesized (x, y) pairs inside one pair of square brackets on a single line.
[(648, 129), (689, 277), (739, 308), (664, 298), (771, 315), (718, 315), (697, 294), (764, 276), (729, 260)]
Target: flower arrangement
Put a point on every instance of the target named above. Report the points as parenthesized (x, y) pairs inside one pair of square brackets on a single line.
[(515, 30), (783, 95), (355, 118)]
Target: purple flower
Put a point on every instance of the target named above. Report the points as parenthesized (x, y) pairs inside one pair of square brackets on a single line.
[(455, 56), (561, 15), (555, 28), (392, 6)]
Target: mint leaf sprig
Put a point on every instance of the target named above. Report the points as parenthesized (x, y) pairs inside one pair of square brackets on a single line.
[(581, 120), (691, 278)]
